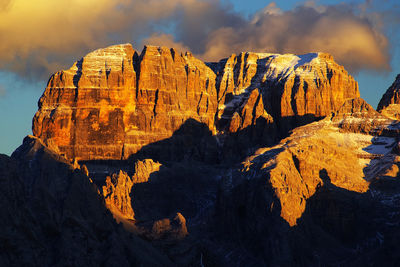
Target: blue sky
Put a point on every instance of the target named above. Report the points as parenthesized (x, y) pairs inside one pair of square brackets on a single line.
[(37, 50)]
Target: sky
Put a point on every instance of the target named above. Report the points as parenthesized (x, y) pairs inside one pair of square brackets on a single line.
[(41, 37)]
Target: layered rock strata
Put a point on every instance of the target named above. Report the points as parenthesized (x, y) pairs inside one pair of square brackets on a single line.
[(118, 187), (291, 86), (391, 96), (307, 199), (351, 148), (114, 102)]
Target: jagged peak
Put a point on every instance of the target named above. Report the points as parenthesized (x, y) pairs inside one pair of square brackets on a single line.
[(391, 96)]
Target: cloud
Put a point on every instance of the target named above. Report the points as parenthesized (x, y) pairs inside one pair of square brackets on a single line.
[(4, 5), (40, 37), (351, 39)]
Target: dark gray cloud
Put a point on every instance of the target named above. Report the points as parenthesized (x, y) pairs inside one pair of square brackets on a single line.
[(351, 39)]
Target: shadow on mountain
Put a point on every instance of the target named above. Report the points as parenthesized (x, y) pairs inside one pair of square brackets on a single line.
[(53, 215), (338, 228), (192, 141)]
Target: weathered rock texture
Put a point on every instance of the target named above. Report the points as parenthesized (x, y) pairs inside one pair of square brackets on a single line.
[(118, 187), (391, 96), (113, 102), (310, 192), (117, 192), (291, 86), (342, 146)]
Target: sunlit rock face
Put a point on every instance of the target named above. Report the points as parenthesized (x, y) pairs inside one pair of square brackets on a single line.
[(113, 102), (317, 186), (117, 189), (389, 105), (348, 149), (292, 88), (391, 96)]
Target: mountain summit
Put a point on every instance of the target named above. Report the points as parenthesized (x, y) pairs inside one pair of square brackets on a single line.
[(160, 159), (113, 102)]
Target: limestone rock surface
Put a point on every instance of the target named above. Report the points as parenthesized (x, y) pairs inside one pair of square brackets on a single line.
[(114, 102), (293, 87), (391, 96), (117, 189), (315, 190)]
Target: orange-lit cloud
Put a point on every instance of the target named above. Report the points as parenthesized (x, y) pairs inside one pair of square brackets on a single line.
[(42, 36), (39, 37)]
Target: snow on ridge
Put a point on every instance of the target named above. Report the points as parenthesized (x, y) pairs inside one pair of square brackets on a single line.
[(282, 66)]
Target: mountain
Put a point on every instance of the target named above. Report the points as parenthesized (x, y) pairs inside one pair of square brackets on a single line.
[(389, 103), (160, 159), (113, 102), (54, 215), (325, 195)]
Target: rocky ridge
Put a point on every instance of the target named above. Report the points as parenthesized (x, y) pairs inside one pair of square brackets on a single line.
[(303, 201), (113, 102), (306, 182), (53, 214), (391, 96)]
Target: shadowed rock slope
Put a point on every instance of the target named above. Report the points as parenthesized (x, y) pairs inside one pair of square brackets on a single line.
[(313, 199), (53, 215), (257, 160)]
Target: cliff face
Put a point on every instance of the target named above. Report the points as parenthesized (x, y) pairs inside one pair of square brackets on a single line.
[(391, 96), (389, 105), (317, 186), (291, 86), (339, 147), (113, 102)]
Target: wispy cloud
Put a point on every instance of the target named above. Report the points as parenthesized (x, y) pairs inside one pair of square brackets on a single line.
[(40, 37)]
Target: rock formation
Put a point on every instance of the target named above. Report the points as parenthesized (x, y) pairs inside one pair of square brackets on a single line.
[(389, 105), (52, 214), (306, 182), (113, 102), (174, 228), (118, 187), (256, 160), (116, 193), (291, 86), (341, 146), (391, 96)]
